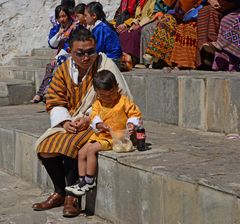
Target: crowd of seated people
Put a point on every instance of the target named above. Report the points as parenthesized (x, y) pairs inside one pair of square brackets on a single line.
[(182, 34), (172, 34)]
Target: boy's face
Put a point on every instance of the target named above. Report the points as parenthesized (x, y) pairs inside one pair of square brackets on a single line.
[(109, 97), (81, 18)]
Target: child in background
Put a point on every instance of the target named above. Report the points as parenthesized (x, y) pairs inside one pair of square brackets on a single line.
[(70, 4), (111, 111), (57, 39), (106, 37), (79, 14)]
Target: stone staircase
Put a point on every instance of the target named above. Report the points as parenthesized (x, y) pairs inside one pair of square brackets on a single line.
[(20, 79), (189, 175)]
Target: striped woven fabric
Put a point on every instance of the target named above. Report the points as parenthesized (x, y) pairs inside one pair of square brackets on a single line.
[(229, 33), (65, 143), (64, 92), (161, 44), (185, 46), (207, 27)]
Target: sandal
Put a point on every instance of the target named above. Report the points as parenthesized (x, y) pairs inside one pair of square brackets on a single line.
[(36, 99)]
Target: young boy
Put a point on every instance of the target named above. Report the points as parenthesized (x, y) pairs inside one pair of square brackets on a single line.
[(111, 111)]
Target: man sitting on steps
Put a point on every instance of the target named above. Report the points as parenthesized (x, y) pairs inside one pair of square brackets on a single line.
[(70, 95)]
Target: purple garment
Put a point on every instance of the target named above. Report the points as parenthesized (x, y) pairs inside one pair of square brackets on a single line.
[(130, 42), (229, 33), (229, 40), (224, 61)]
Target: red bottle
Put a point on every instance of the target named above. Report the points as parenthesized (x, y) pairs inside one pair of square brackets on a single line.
[(140, 137)]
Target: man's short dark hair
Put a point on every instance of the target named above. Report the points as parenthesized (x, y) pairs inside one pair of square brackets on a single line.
[(81, 34)]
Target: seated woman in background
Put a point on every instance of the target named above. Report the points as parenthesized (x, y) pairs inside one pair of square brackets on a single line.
[(130, 30), (57, 39), (174, 40), (227, 54), (185, 45), (79, 14), (105, 35), (208, 27), (70, 4), (148, 30)]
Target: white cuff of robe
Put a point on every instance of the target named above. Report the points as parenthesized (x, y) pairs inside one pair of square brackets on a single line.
[(88, 111), (54, 41), (134, 120), (95, 121), (58, 115)]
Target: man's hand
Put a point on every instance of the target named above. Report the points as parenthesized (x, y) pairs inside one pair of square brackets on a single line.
[(69, 126), (102, 127)]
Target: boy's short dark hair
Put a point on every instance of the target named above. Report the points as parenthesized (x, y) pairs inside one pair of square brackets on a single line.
[(80, 34), (79, 9), (104, 80)]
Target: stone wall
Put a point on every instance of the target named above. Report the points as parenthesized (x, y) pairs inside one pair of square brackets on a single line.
[(24, 24)]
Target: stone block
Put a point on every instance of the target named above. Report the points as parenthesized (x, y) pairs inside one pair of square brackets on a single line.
[(217, 207), (43, 52), (117, 187), (38, 77), (218, 97), (20, 93), (3, 89), (37, 62), (6, 74), (26, 162), (129, 195), (162, 99), (137, 85), (192, 103), (7, 149), (234, 105)]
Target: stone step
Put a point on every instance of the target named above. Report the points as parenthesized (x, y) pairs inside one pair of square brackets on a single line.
[(186, 176), (24, 73), (15, 91), (31, 61), (43, 52), (25, 194), (203, 100)]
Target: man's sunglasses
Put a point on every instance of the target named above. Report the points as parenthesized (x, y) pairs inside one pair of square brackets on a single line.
[(89, 52)]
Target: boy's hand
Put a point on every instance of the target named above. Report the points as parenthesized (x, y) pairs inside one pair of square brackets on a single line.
[(82, 123), (102, 127), (131, 128)]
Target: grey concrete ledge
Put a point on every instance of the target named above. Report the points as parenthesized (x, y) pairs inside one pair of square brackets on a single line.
[(188, 176), (191, 99)]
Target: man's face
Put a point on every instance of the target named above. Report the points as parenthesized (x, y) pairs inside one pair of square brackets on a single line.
[(84, 53)]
